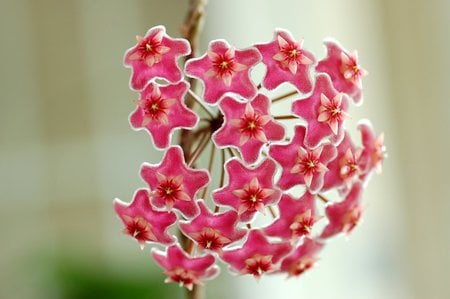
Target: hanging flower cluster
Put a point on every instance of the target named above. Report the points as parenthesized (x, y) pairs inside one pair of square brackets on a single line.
[(261, 167)]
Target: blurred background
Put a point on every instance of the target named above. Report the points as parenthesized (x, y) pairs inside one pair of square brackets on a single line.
[(66, 148)]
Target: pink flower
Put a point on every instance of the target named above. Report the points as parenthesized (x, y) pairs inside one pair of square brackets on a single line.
[(303, 258), (257, 256), (345, 215), (296, 218), (213, 230), (248, 126), (343, 69), (142, 222), (325, 112), (301, 164), (155, 56), (286, 61), (374, 150), (160, 110), (224, 69), (346, 168), (183, 269), (174, 185), (249, 190)]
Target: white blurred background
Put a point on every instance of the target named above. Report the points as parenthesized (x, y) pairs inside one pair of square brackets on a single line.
[(66, 149)]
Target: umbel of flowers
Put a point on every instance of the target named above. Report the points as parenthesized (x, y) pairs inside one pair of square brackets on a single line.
[(261, 166)]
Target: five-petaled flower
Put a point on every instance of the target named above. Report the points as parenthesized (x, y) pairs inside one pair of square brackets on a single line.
[(344, 70), (143, 222), (302, 258), (184, 269), (160, 110), (247, 126), (224, 69), (174, 185), (324, 111), (344, 216), (250, 189), (257, 256), (297, 217), (213, 231), (301, 164), (155, 56), (286, 61)]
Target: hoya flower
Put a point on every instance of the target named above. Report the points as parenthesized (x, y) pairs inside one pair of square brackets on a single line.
[(345, 215), (325, 111), (174, 185), (160, 110), (296, 218), (224, 69), (155, 56), (347, 166), (344, 70), (286, 61), (142, 222), (257, 256), (301, 164), (374, 150), (183, 269), (302, 258), (213, 231), (247, 126), (249, 189)]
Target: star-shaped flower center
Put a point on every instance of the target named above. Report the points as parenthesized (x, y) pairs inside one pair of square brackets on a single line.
[(210, 238), (350, 68), (171, 189), (149, 49), (138, 228), (258, 265), (351, 219), (252, 196), (301, 266), (291, 55), (224, 66), (155, 107), (308, 164), (330, 111), (302, 224), (182, 276), (251, 125), (349, 164)]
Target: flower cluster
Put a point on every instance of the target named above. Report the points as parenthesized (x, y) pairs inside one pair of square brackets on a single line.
[(262, 166)]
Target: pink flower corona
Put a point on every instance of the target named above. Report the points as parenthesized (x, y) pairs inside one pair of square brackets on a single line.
[(223, 192)]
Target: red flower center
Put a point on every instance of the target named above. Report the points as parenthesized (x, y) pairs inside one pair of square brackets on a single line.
[(169, 189), (139, 229), (182, 276), (351, 219), (301, 266), (258, 264), (210, 238), (302, 224)]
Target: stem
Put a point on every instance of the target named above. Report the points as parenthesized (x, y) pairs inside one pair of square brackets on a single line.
[(272, 212), (323, 198), (282, 97), (200, 148), (210, 165), (191, 30), (282, 117), (201, 104)]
